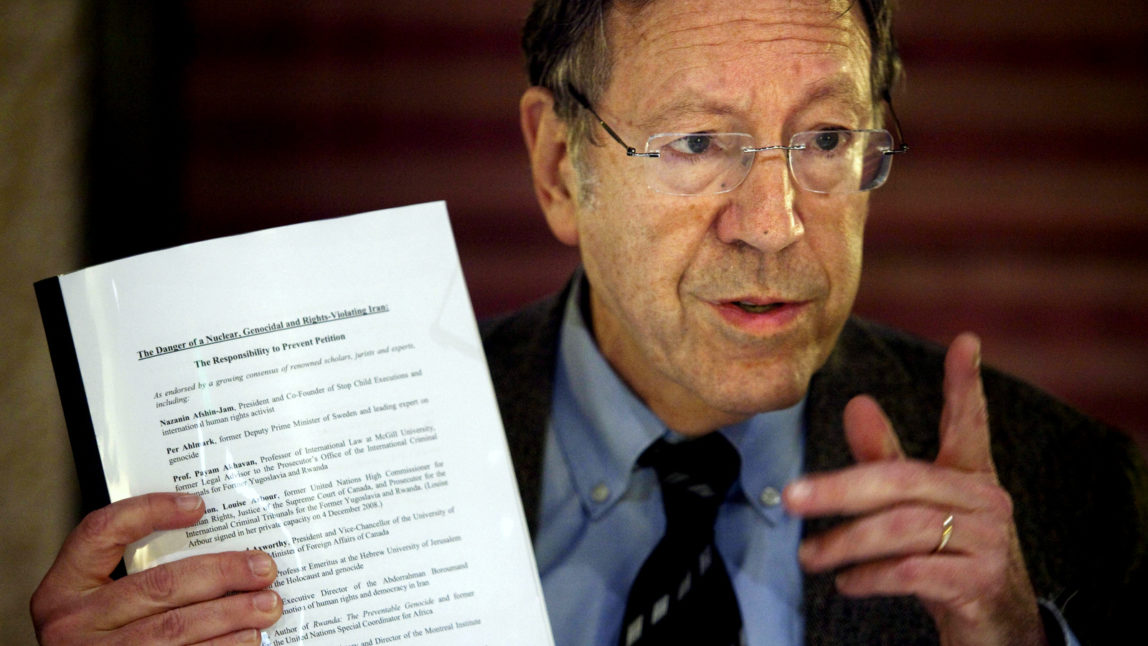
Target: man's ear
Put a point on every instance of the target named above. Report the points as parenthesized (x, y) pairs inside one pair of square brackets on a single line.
[(550, 163)]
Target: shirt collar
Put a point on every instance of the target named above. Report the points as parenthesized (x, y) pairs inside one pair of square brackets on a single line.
[(602, 428)]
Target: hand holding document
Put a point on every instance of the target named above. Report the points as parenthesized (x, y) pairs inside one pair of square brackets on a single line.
[(323, 387)]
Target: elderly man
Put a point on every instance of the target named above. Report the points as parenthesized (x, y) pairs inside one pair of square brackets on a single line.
[(710, 450)]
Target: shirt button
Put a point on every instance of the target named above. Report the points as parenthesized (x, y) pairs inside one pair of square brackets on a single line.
[(600, 492), (770, 497)]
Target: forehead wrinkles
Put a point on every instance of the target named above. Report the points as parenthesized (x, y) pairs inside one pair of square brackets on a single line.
[(724, 16), (665, 43)]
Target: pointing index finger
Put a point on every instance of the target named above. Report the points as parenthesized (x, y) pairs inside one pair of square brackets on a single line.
[(964, 418)]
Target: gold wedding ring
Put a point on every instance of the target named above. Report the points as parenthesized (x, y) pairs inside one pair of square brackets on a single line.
[(946, 533)]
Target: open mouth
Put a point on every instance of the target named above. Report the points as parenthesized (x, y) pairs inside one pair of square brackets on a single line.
[(757, 308)]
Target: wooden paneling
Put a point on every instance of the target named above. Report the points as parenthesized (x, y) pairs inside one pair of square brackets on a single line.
[(1021, 212)]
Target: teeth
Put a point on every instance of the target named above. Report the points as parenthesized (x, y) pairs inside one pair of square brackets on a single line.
[(757, 309)]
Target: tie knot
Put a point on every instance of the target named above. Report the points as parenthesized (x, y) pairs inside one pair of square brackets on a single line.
[(696, 472)]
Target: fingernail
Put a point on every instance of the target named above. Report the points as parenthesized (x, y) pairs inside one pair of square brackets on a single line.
[(250, 636), (266, 601), (798, 491), (188, 502), (261, 565)]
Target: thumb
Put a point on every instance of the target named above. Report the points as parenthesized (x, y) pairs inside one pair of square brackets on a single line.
[(869, 433)]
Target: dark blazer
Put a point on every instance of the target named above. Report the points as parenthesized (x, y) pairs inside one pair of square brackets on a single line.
[(1080, 489)]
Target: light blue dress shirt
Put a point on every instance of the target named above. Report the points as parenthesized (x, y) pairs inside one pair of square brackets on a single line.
[(600, 518)]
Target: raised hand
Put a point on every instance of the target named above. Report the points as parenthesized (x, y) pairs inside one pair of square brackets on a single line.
[(972, 580), (212, 599)]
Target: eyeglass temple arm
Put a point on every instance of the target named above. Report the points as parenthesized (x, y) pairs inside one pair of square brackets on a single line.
[(585, 103), (903, 148)]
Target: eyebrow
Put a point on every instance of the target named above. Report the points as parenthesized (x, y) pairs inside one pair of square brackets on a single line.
[(679, 111), (840, 89)]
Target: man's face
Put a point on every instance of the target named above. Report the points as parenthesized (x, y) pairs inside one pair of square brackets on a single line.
[(717, 307)]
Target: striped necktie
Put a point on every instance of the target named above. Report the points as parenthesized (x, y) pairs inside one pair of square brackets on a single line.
[(683, 594)]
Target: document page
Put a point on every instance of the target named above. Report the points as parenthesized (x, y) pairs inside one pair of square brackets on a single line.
[(324, 388)]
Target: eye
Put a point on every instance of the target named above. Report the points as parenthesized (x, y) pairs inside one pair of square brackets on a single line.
[(692, 144), (827, 140)]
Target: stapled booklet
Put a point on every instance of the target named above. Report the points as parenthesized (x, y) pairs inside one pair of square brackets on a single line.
[(323, 387)]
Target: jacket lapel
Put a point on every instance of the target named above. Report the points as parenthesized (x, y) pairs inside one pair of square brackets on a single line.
[(522, 351)]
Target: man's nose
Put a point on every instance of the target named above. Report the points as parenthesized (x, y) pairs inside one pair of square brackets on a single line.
[(762, 212)]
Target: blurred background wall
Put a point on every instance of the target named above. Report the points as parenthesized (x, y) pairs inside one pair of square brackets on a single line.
[(1021, 212), (42, 66)]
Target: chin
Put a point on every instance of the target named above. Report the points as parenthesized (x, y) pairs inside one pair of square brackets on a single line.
[(743, 396), (771, 401), (747, 390)]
